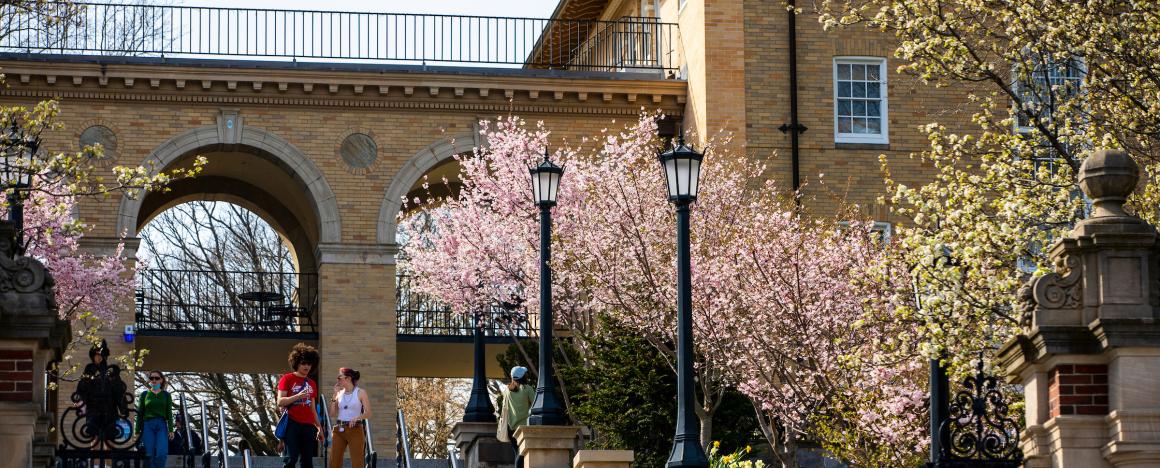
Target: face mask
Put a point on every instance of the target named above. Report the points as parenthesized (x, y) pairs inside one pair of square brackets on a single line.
[(155, 387)]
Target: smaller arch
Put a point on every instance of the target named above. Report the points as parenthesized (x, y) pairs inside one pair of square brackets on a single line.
[(420, 163), (301, 167)]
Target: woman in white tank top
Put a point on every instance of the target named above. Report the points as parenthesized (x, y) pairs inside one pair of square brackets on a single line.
[(353, 408)]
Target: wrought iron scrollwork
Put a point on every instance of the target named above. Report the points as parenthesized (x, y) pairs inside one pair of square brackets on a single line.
[(97, 429), (978, 431)]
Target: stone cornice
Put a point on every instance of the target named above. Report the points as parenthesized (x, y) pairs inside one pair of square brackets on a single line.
[(447, 89), (356, 254)]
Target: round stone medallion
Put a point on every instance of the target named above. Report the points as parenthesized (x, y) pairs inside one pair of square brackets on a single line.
[(100, 134), (359, 150)]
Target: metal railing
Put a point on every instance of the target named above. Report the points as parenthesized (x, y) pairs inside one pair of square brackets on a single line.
[(185, 31), (419, 314), (227, 301), (403, 444)]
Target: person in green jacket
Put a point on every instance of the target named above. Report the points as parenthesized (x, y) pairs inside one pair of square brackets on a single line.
[(155, 420), (518, 396)]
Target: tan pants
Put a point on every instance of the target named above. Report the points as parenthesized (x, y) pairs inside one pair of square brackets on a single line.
[(353, 437)]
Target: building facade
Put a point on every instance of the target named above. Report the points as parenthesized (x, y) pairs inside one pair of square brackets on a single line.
[(325, 148)]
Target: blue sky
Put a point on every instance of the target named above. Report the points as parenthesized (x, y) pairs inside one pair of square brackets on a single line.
[(523, 8)]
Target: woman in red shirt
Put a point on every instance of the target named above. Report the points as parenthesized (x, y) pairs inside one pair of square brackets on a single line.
[(296, 396)]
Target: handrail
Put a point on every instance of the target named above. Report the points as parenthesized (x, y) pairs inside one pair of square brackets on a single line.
[(224, 433), (325, 433), (187, 459), (205, 456), (453, 455), (403, 459), (370, 457)]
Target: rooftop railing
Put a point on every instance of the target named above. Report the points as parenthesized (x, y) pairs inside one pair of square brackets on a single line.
[(629, 44)]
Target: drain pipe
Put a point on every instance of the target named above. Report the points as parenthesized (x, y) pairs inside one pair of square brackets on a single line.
[(794, 127)]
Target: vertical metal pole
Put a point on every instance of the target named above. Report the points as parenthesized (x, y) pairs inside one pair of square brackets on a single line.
[(16, 217), (223, 432), (687, 450), (205, 435), (939, 407), (187, 460), (546, 409), (479, 407)]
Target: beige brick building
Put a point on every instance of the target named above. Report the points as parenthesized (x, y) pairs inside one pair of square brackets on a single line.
[(274, 134)]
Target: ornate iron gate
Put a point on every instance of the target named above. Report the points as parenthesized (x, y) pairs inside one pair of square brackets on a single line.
[(97, 429)]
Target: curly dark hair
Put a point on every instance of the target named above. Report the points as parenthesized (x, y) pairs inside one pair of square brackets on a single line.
[(302, 353)]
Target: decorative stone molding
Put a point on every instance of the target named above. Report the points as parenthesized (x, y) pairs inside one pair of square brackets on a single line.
[(419, 163), (229, 126), (471, 87), (103, 132), (357, 254), (1091, 351), (325, 203), (359, 150)]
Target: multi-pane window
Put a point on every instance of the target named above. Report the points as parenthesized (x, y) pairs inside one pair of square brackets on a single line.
[(1049, 85), (860, 100)]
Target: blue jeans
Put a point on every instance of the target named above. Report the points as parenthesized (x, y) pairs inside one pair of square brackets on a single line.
[(155, 436)]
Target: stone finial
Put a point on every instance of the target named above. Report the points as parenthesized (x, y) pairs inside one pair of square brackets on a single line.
[(1108, 177)]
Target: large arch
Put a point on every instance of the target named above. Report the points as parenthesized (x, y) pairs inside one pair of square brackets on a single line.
[(412, 171), (297, 164)]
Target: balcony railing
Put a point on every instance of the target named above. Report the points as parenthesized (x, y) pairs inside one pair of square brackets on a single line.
[(227, 301), (422, 315), (629, 44)]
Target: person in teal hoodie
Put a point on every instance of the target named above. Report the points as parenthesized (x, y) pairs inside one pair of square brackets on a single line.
[(155, 420)]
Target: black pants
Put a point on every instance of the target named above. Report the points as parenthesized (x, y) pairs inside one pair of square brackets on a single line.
[(516, 448), (301, 445)]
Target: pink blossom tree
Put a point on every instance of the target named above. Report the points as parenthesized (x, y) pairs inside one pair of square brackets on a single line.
[(784, 305)]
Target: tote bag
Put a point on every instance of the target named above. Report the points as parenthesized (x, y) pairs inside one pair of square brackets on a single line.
[(283, 423)]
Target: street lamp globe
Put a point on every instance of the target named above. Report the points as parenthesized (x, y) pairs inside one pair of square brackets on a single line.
[(682, 165), (18, 150), (546, 182)]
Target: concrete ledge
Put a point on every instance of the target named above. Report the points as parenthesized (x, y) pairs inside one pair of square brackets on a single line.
[(602, 459), (547, 446)]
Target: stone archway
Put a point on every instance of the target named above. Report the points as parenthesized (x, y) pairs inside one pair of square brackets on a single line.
[(413, 170), (230, 133)]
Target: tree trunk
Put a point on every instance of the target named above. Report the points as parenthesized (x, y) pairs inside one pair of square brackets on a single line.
[(706, 429)]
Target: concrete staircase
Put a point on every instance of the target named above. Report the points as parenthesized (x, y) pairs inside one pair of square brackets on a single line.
[(276, 462)]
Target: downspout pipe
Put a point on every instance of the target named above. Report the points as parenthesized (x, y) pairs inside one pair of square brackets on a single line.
[(794, 127)]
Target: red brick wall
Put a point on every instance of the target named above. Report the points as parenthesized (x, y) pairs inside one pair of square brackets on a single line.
[(1078, 389), (15, 375)]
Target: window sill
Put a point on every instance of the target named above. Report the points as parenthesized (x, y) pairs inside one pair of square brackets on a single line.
[(862, 146)]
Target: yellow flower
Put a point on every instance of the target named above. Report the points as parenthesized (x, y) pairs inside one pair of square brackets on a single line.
[(716, 444), (748, 449)]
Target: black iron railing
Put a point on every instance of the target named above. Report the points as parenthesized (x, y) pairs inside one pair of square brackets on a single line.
[(419, 314), (638, 44), (227, 301)]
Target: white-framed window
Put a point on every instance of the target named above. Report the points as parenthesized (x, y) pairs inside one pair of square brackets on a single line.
[(881, 230), (1049, 85), (860, 100)]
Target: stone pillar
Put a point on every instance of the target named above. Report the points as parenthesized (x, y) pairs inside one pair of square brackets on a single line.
[(1089, 359), (602, 459), (31, 337), (356, 286), (479, 447), (547, 446)]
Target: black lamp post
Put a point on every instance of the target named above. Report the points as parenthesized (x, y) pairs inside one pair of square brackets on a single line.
[(15, 175), (682, 168), (939, 381), (546, 409), (479, 407)]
